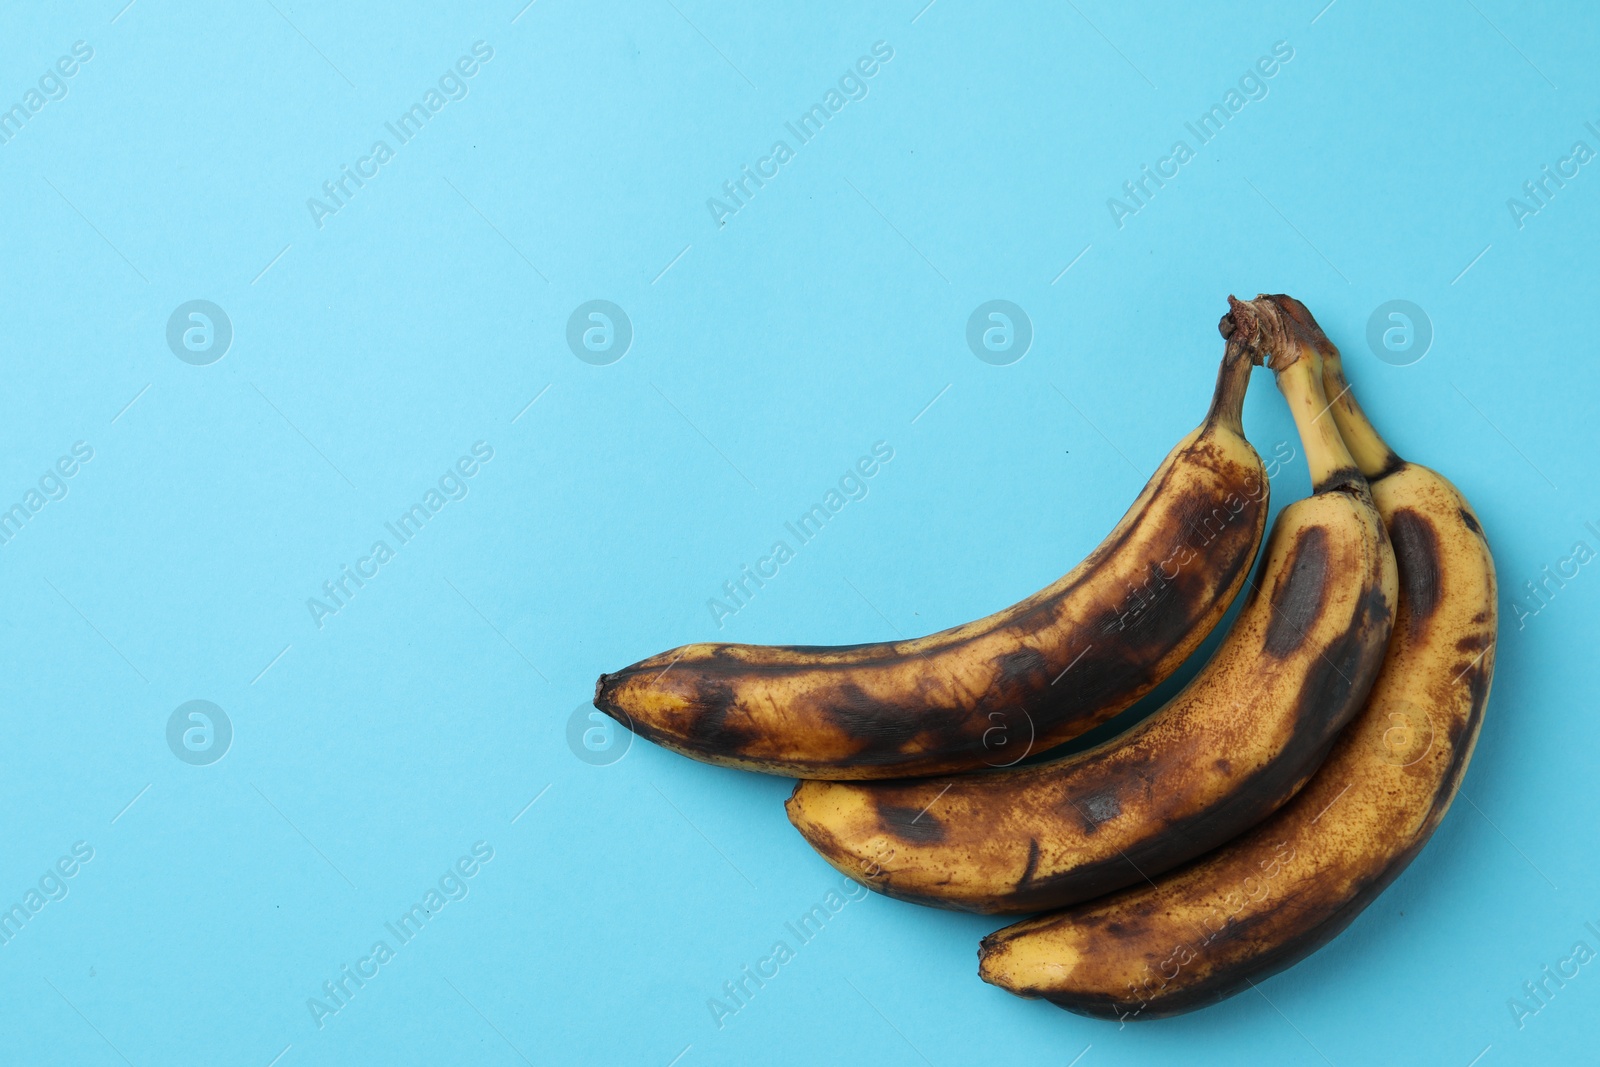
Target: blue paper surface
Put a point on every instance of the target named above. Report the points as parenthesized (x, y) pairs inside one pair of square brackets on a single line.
[(530, 297)]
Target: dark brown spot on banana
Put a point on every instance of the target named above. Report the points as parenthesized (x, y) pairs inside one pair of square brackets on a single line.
[(1033, 865), (1342, 479), (1416, 549), (1299, 596), (910, 824)]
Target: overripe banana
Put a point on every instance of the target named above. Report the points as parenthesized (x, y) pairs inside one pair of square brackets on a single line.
[(1032, 676), (1223, 754), (1272, 897)]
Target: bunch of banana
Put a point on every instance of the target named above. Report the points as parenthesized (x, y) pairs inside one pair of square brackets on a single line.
[(1223, 754), (1232, 831), (1030, 677), (1276, 894)]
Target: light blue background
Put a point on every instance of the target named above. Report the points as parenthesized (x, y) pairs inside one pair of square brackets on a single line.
[(826, 315)]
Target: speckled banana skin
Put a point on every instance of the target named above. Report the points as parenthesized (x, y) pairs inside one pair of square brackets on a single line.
[(1275, 895), (1032, 676), (1222, 755)]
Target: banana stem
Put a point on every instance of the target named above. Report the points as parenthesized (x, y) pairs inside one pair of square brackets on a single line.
[(1372, 453), (1281, 332), (1326, 454), (1233, 381)]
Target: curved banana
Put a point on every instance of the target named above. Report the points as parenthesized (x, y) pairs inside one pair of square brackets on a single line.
[(1032, 676), (1218, 758), (1274, 896)]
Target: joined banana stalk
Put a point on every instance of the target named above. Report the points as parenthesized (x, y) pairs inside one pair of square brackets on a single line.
[(988, 692), (1275, 895), (1222, 755)]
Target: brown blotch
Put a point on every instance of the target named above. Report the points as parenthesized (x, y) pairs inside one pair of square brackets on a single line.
[(915, 825), (1299, 595), (1416, 550), (1033, 864), (1472, 522), (1341, 478)]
